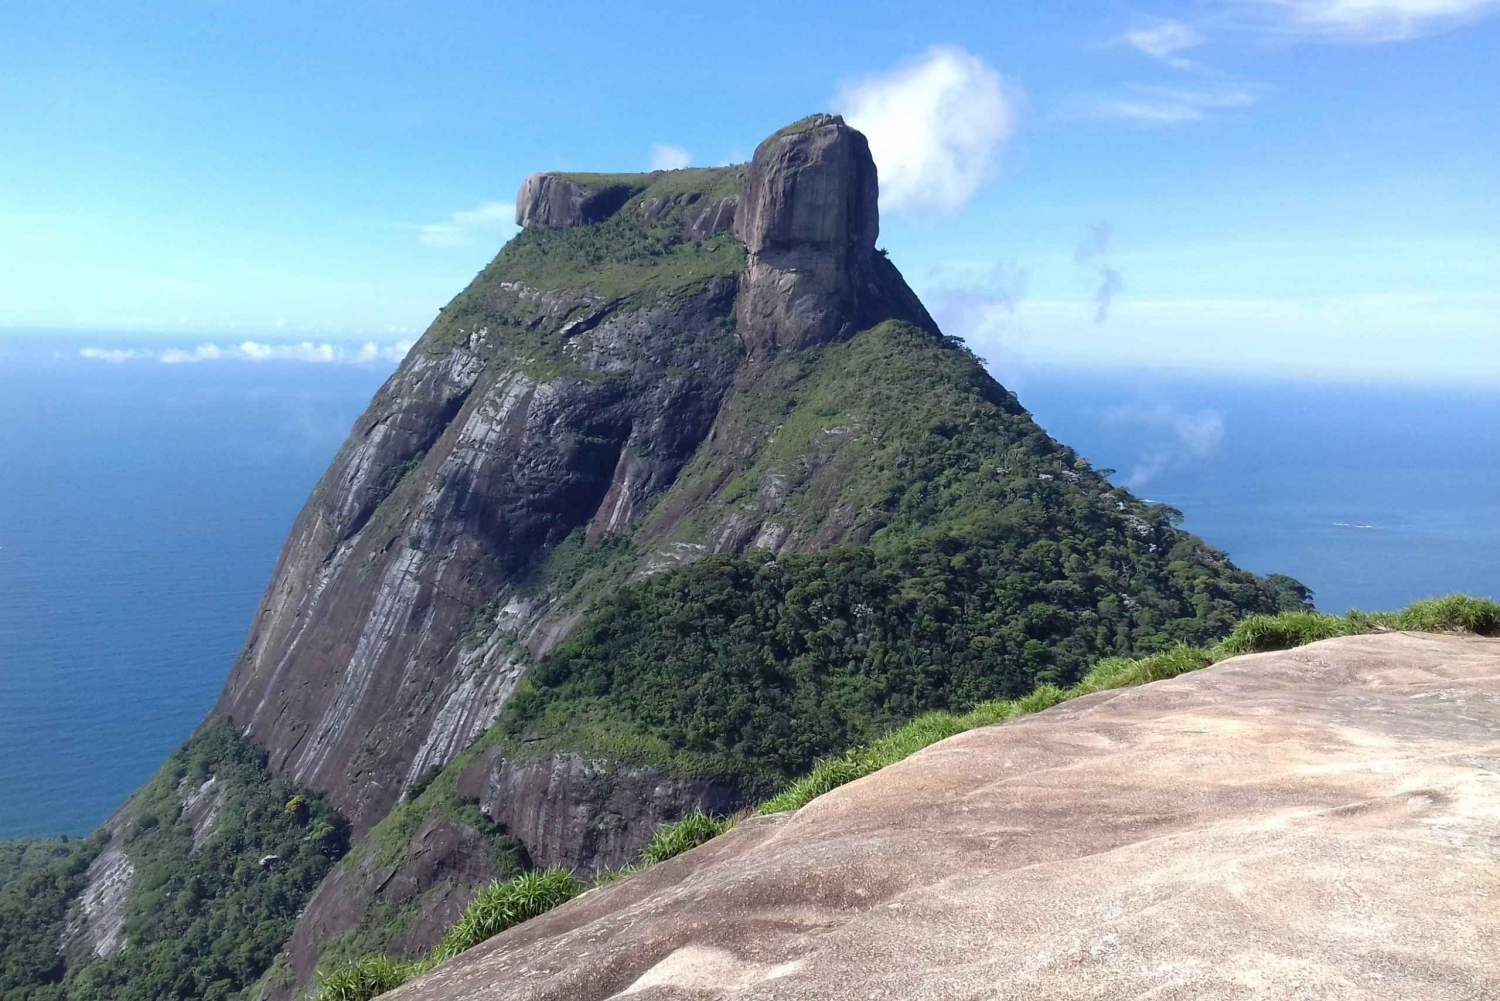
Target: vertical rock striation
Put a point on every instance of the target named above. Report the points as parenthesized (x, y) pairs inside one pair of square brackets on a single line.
[(809, 219), (539, 403)]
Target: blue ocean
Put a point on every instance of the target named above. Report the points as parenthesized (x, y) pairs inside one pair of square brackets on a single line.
[(142, 506)]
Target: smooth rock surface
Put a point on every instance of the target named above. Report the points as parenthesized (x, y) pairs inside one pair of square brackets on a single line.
[(1318, 823), (808, 219)]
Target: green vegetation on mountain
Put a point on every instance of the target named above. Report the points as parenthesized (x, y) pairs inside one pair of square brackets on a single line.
[(997, 561), (22, 858), (224, 857), (33, 914), (496, 908), (630, 259)]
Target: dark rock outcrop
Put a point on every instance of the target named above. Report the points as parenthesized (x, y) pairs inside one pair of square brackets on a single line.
[(586, 815), (809, 219), (1313, 823), (425, 885), (562, 201)]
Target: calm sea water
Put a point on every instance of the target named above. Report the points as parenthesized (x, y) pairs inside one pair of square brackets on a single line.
[(142, 507)]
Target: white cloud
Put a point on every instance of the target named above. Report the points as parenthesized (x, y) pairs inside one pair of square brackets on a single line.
[(1171, 438), (669, 157), (324, 353), (1164, 40), (1362, 21), (487, 221), (116, 356), (936, 125), (1149, 105)]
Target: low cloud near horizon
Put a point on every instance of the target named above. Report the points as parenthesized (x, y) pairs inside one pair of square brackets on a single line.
[(324, 353), (488, 221), (665, 157), (937, 125), (1173, 438)]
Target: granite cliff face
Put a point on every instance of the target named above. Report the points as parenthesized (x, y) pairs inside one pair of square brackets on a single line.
[(660, 374), (532, 410)]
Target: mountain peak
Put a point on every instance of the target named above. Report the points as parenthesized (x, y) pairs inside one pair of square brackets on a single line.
[(808, 219), (811, 186)]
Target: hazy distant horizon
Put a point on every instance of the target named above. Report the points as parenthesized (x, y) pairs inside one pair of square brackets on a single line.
[(144, 505)]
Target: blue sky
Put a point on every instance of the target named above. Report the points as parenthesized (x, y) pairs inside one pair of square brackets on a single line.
[(1302, 188)]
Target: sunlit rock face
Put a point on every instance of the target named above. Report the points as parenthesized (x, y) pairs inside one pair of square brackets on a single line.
[(477, 458), (1313, 823)]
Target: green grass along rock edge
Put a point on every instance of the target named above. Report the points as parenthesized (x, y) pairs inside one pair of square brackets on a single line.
[(503, 905)]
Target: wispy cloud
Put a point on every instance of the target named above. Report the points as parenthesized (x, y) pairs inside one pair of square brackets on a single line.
[(669, 157), (1093, 254), (1359, 21), (487, 221), (1151, 105), (1172, 438), (980, 308), (937, 125), (324, 353), (1165, 41)]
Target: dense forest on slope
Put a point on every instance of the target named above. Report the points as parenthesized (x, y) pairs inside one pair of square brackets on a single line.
[(997, 560), (223, 860)]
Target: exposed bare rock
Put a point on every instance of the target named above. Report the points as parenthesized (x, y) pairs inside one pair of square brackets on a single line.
[(431, 878), (1319, 823), (200, 807), (563, 201), (466, 468), (96, 919), (809, 218), (586, 815)]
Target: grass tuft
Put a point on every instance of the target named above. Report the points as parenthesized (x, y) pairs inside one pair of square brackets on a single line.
[(502, 905), (686, 834), (1260, 633), (1451, 612), (368, 977)]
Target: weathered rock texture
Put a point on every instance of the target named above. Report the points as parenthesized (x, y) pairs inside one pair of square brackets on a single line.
[(809, 219), (465, 469), (421, 891), (562, 201), (96, 920), (529, 411), (1320, 823), (579, 813)]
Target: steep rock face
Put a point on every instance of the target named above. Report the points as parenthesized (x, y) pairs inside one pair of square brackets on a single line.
[(586, 815), (562, 201), (558, 393), (471, 462), (1312, 823), (809, 219), (423, 888), (96, 920)]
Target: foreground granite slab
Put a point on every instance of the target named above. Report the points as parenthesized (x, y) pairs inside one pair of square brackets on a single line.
[(1322, 823)]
